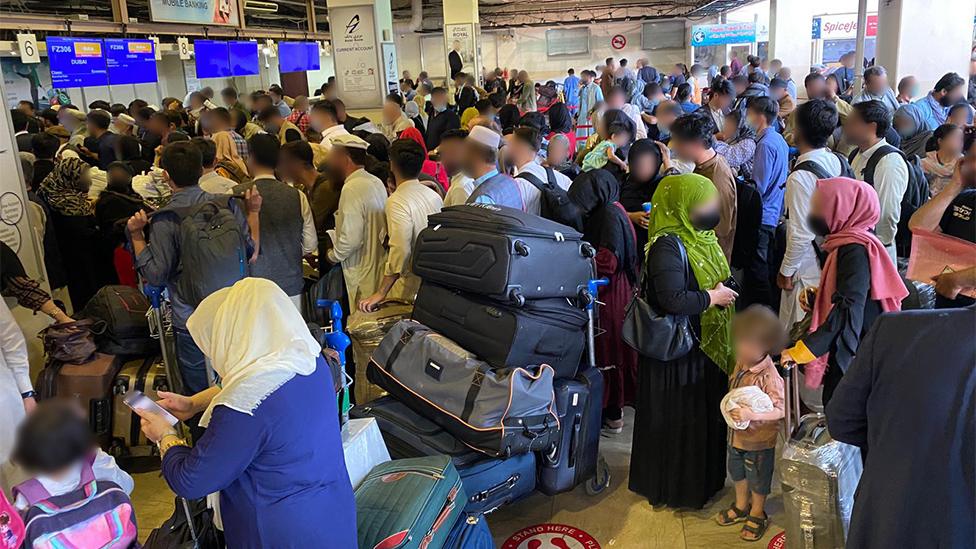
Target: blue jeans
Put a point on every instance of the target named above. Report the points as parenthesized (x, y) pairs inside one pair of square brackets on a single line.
[(192, 363)]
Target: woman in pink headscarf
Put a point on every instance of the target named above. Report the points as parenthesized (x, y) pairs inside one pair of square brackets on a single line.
[(858, 281), (434, 169)]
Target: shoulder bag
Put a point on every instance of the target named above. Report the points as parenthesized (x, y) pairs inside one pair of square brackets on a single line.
[(654, 335)]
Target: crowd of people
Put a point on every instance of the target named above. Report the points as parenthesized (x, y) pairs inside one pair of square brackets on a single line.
[(775, 223)]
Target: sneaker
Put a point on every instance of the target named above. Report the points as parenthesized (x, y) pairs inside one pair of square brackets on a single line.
[(613, 426)]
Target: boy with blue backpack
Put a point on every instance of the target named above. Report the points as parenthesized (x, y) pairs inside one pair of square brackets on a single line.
[(196, 244)]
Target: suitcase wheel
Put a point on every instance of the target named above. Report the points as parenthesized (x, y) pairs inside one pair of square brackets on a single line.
[(521, 248), (117, 448), (516, 297), (601, 481), (587, 250)]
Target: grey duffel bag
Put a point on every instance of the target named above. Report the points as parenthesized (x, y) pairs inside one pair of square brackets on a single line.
[(498, 411)]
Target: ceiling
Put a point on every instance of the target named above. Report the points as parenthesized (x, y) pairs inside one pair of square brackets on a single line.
[(291, 15)]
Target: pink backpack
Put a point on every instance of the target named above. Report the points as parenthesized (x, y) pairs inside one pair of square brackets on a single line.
[(95, 514), (11, 525)]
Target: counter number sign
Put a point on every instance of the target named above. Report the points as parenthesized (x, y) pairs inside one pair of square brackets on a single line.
[(183, 45), (27, 44)]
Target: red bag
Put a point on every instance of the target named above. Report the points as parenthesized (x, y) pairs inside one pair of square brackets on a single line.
[(11, 525)]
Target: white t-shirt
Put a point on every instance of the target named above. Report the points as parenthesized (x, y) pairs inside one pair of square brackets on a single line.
[(530, 193)]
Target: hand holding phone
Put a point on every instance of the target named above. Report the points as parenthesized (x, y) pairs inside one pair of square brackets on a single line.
[(139, 402)]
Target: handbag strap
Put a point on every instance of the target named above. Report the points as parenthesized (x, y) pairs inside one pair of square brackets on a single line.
[(684, 259)]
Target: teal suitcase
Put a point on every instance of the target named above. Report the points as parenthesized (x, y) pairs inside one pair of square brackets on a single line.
[(409, 504)]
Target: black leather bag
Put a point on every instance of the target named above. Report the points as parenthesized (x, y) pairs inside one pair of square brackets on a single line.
[(654, 335)]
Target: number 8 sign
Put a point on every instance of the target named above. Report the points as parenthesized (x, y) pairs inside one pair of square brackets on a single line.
[(27, 44), (184, 46)]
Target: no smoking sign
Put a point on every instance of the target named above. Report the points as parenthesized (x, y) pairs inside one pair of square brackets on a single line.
[(618, 42)]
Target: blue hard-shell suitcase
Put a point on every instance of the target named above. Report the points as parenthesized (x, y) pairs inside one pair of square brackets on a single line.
[(470, 532), (574, 459)]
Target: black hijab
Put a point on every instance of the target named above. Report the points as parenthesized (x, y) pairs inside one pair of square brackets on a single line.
[(508, 116), (634, 193), (560, 120), (605, 224), (620, 117)]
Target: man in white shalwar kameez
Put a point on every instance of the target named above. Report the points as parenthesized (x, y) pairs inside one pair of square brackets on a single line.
[(360, 219)]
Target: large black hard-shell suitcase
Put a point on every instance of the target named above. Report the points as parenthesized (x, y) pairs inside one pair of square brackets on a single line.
[(543, 331), (503, 253)]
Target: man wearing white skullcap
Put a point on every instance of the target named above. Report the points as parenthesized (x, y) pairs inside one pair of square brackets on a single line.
[(360, 220), (480, 163)]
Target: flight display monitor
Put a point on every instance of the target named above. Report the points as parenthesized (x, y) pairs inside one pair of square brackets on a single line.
[(76, 62), (243, 58), (212, 59), (298, 56), (130, 61)]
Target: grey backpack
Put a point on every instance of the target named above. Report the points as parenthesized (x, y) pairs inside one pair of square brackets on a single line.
[(498, 411), (213, 249)]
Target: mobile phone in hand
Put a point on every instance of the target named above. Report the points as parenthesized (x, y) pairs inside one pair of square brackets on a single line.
[(137, 400)]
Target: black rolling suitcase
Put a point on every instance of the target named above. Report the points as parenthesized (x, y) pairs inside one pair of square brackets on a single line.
[(503, 253), (573, 460), (543, 331), (489, 483)]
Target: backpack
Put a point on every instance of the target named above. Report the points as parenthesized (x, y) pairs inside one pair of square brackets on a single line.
[(748, 220), (95, 514), (816, 169), (916, 192), (213, 249), (122, 310), (555, 202)]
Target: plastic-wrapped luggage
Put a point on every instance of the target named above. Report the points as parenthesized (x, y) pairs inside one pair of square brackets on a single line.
[(503, 253), (366, 330), (499, 411), (542, 331), (408, 504), (819, 477)]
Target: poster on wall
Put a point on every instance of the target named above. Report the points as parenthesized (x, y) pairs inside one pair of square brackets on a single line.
[(724, 33), (31, 81), (390, 70), (460, 38), (356, 60), (203, 12)]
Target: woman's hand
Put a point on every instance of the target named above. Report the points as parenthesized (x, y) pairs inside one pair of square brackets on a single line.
[(180, 406), (722, 296), (641, 219), (155, 426)]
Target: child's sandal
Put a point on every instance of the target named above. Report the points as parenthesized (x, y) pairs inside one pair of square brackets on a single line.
[(755, 528), (730, 516)]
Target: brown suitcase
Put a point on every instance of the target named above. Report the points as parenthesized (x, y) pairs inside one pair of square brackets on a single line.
[(90, 384)]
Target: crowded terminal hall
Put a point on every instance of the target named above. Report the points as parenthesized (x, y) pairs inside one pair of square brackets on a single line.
[(486, 274)]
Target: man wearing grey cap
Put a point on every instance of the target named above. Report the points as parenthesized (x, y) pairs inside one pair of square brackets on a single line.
[(481, 164), (360, 220)]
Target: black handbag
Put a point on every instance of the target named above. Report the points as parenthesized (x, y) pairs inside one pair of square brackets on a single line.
[(654, 335)]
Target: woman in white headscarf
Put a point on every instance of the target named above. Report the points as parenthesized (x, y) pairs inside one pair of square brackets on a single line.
[(272, 446)]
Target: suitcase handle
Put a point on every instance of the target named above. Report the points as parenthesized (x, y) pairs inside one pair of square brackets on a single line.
[(791, 403)]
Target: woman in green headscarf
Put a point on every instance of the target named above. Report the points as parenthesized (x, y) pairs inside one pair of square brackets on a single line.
[(678, 455)]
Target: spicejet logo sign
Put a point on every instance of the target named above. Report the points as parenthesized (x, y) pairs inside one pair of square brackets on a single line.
[(353, 24)]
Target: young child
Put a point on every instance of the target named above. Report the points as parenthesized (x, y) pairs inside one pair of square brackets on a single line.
[(757, 334), (56, 449), (617, 136)]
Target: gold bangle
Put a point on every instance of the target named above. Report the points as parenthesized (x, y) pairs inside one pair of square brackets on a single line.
[(174, 440)]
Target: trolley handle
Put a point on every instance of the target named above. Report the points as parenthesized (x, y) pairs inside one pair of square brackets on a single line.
[(155, 294)]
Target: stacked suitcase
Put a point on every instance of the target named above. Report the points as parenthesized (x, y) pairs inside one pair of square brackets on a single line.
[(502, 304)]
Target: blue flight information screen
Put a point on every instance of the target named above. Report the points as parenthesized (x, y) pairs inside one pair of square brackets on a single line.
[(130, 61), (76, 62), (243, 58), (298, 56), (212, 59)]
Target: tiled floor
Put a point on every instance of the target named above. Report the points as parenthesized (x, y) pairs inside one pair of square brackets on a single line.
[(617, 518)]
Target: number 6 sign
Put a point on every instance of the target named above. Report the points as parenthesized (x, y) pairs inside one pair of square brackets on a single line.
[(27, 44)]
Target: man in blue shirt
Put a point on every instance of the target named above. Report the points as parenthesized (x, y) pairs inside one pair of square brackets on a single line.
[(571, 90), (770, 168), (481, 164), (158, 258), (949, 90)]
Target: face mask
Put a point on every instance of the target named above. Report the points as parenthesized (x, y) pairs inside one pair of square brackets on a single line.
[(916, 90), (706, 222), (751, 124), (905, 133), (946, 101), (440, 108), (818, 225)]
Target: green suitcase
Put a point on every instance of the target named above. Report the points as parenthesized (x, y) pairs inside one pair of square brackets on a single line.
[(409, 504)]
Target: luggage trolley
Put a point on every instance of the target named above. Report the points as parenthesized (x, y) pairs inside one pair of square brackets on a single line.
[(601, 481), (333, 337)]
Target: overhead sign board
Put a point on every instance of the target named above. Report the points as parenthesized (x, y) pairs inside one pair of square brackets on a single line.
[(202, 12), (76, 62), (130, 61), (725, 33), (844, 25)]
